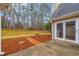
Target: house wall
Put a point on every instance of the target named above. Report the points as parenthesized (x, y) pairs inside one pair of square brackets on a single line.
[(52, 30), (77, 28)]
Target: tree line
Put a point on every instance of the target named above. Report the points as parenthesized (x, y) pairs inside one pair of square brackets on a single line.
[(26, 16)]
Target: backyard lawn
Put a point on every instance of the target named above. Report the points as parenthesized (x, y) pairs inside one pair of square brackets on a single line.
[(6, 33)]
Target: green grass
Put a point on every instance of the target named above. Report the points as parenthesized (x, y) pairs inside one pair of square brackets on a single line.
[(6, 33)]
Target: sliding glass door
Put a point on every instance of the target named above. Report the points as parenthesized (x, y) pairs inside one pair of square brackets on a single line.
[(66, 30), (70, 30), (60, 30)]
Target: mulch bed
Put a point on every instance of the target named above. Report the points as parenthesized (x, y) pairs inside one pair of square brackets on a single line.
[(13, 45)]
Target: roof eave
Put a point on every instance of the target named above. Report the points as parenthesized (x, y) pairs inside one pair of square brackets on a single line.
[(70, 15), (4, 6)]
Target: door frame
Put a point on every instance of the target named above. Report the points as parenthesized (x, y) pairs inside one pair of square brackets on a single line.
[(64, 30)]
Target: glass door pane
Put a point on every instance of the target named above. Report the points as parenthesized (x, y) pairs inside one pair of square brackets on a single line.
[(60, 30), (70, 30)]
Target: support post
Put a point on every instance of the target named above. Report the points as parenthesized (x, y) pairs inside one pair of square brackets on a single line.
[(77, 30), (1, 53)]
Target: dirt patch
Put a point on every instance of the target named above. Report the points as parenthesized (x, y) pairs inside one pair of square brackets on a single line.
[(13, 45), (42, 38)]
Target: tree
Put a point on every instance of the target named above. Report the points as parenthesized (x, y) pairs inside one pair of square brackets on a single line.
[(31, 15), (47, 26)]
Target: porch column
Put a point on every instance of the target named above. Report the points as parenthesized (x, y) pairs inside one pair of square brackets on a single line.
[(1, 53), (77, 30)]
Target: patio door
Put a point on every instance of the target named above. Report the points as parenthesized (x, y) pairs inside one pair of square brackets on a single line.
[(66, 30), (59, 30), (71, 30)]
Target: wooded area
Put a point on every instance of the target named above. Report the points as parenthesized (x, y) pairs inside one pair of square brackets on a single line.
[(27, 16)]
